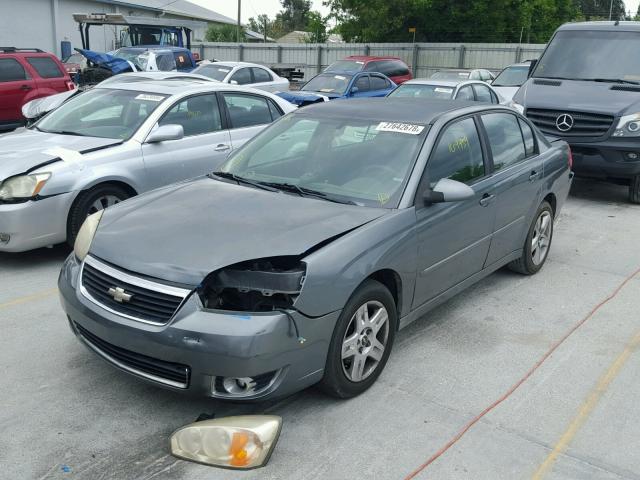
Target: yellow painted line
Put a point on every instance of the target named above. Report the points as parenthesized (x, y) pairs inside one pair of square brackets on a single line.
[(29, 298), (587, 407)]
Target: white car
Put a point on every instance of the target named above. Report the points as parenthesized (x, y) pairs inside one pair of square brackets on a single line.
[(469, 90), (121, 138), (243, 73), (464, 74), (511, 78)]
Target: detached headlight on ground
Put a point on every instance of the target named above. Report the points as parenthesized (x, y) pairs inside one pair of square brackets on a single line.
[(241, 442), (23, 187), (628, 126), (86, 234)]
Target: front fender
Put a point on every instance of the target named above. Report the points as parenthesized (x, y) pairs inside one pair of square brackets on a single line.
[(337, 269)]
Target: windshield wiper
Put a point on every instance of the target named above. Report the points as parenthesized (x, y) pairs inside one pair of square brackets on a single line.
[(614, 80), (239, 180), (306, 192), (63, 132)]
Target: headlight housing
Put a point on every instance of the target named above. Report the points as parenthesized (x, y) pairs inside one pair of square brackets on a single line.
[(85, 235), (628, 126), (516, 106), (261, 285), (241, 442), (23, 187)]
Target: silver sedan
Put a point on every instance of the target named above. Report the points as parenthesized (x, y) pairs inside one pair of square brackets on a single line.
[(115, 141), (243, 73)]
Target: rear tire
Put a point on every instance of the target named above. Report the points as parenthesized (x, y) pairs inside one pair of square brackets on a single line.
[(634, 190), (362, 341), (91, 201), (537, 244)]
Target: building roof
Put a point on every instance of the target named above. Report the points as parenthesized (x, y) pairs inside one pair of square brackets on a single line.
[(178, 7)]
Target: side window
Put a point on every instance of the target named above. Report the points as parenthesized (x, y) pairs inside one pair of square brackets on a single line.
[(197, 115), (378, 83), (261, 75), (46, 67), (165, 62), (182, 60), (483, 93), (400, 69), (458, 155), (275, 111), (494, 97), (505, 139), (242, 76), (11, 70), (529, 138), (465, 93), (247, 110), (373, 67), (362, 83), (475, 75)]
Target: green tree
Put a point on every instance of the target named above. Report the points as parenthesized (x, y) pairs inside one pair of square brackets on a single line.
[(294, 14), (317, 28), (599, 9), (263, 23), (223, 33)]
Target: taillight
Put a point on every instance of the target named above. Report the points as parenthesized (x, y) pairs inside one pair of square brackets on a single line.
[(570, 159)]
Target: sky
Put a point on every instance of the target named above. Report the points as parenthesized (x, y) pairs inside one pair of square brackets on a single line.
[(253, 8)]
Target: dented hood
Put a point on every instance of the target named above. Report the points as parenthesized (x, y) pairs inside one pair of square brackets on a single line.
[(183, 232), (23, 151)]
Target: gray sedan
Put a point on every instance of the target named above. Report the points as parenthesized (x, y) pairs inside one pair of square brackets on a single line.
[(298, 261), (121, 138)]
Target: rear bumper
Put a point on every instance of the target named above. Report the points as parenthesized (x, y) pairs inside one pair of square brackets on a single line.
[(611, 159), (209, 344), (35, 224)]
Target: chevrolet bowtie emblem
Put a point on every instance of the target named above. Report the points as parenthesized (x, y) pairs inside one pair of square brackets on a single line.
[(119, 295)]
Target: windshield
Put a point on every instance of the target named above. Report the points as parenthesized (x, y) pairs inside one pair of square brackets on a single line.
[(345, 66), (328, 83), (422, 91), (102, 112), (586, 55), (366, 162), (137, 57), (216, 72), (450, 75), (511, 77)]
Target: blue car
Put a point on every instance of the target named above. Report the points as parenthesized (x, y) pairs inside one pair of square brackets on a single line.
[(331, 85)]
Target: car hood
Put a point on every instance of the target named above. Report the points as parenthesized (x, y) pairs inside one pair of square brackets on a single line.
[(572, 95), (26, 150), (38, 107), (115, 65), (183, 232), (506, 93), (299, 97)]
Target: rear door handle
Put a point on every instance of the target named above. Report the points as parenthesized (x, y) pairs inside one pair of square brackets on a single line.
[(534, 175), (486, 199), (222, 147), (26, 88)]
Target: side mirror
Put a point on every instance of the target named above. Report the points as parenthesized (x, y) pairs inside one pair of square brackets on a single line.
[(166, 133), (532, 67), (447, 190), (354, 90)]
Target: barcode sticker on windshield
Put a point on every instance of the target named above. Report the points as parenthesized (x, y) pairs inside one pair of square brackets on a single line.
[(400, 128), (150, 98), (225, 70), (339, 77)]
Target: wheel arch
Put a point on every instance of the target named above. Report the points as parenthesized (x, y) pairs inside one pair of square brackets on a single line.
[(392, 281), (552, 200)]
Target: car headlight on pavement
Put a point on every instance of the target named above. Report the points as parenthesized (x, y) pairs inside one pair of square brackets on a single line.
[(85, 235), (23, 187), (628, 126), (241, 442)]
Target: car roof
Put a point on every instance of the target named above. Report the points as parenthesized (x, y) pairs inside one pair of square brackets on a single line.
[(234, 64), (439, 83), (612, 26), (144, 48), (368, 58), (390, 109), (174, 86)]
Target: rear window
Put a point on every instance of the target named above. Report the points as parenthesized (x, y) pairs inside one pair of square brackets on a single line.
[(345, 66), (391, 68), (11, 70), (46, 67)]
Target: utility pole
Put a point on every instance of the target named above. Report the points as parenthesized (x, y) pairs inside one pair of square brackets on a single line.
[(610, 9), (265, 30), (240, 26)]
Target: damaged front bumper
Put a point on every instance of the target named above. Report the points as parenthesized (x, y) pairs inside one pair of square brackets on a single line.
[(222, 354)]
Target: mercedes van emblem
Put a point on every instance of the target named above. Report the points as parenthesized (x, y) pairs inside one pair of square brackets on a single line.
[(564, 122)]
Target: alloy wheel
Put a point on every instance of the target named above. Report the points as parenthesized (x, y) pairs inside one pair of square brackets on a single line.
[(102, 203), (541, 238)]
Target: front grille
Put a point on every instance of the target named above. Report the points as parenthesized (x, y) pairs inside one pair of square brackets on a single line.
[(584, 124), (144, 300), (168, 373), (626, 88)]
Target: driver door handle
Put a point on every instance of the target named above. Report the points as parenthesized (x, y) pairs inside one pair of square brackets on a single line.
[(534, 175), (221, 147), (26, 88), (486, 199)]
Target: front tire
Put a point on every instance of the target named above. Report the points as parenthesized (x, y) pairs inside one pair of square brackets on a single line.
[(537, 244), (634, 190), (361, 342), (89, 202)]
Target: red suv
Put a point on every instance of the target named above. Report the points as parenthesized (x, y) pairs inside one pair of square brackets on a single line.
[(392, 67), (27, 74)]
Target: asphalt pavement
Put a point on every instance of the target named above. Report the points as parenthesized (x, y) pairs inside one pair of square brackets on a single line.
[(66, 414)]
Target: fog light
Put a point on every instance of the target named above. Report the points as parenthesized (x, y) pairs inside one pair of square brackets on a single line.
[(632, 155), (244, 387), (236, 386), (4, 238), (241, 442)]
